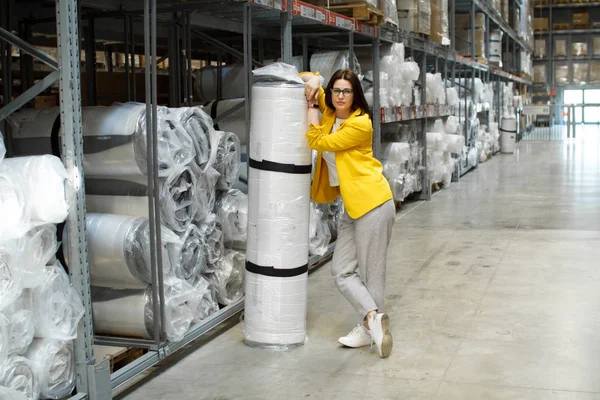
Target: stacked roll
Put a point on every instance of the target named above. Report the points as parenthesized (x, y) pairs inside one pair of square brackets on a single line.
[(39, 309)]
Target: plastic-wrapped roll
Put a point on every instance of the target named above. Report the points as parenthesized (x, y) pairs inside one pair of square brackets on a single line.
[(455, 143), (232, 82), (17, 373), (5, 334), (211, 234), (130, 313), (21, 327), (115, 140), (54, 365), (10, 282), (43, 187), (178, 202), (208, 304), (278, 213), (229, 277), (11, 394), (119, 251), (14, 205), (232, 210), (328, 62), (188, 256), (199, 126), (437, 141), (319, 232), (227, 162), (57, 309), (452, 125), (2, 148), (206, 184)]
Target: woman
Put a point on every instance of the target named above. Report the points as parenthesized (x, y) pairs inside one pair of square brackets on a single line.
[(345, 165)]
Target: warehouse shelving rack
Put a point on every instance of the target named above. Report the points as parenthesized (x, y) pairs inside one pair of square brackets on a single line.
[(175, 30)]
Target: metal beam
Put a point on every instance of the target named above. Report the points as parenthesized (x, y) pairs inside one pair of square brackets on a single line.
[(229, 112), (286, 34), (224, 47), (28, 48), (28, 95)]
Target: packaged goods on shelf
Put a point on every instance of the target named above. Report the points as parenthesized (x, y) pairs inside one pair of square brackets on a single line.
[(328, 62), (402, 160), (18, 327), (540, 24), (208, 302), (580, 19), (463, 45), (319, 234), (130, 313), (580, 73), (390, 11), (526, 63), (435, 90), (452, 97), (505, 10), (540, 48), (437, 141), (561, 74), (473, 157), (211, 235), (229, 277), (414, 16), (496, 47), (579, 49), (452, 125), (17, 373), (595, 72), (439, 22), (325, 3), (456, 142), (54, 365), (596, 47), (539, 74), (227, 161), (464, 21), (560, 48)]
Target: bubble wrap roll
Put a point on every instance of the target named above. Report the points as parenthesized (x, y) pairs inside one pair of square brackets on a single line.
[(232, 210), (229, 277), (54, 365), (188, 256), (206, 184), (455, 143), (208, 304), (227, 162), (211, 235), (15, 208), (199, 126), (21, 327)]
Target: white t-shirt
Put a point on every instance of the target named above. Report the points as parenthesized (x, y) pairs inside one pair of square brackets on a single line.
[(329, 158)]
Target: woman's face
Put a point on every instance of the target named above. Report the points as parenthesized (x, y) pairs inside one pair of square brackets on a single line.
[(342, 95)]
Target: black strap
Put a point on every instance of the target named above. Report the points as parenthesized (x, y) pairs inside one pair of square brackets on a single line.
[(504, 130), (276, 272), (213, 113), (279, 167)]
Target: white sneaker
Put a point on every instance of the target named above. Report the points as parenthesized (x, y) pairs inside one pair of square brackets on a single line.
[(382, 336), (358, 337)]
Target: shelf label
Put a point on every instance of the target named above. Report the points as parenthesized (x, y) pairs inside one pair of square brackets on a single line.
[(341, 22), (366, 29)]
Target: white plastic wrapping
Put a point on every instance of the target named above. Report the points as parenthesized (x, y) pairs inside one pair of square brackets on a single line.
[(328, 63), (130, 313), (437, 141), (43, 187), (177, 192), (232, 210), (14, 206), (119, 251), (205, 196), (436, 93), (278, 217), (472, 157), (57, 309), (2, 148), (199, 126), (390, 10), (11, 394), (187, 255), (17, 373), (228, 159), (21, 327), (211, 236), (319, 234), (54, 365), (229, 277), (452, 97), (207, 295)]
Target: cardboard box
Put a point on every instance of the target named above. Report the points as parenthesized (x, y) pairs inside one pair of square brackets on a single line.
[(539, 74), (561, 74), (464, 46), (505, 10), (581, 19), (439, 22), (541, 24), (580, 73), (463, 21), (48, 101), (415, 16), (540, 48), (560, 48), (579, 49), (597, 46)]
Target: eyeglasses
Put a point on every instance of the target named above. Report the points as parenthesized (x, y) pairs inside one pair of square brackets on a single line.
[(347, 92)]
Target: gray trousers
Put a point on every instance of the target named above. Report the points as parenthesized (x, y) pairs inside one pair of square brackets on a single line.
[(360, 256)]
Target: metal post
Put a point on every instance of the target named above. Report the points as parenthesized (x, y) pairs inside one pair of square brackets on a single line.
[(261, 50), (132, 43), (426, 191), (126, 52), (286, 35), (351, 50), (25, 60), (72, 149), (305, 60), (172, 52), (487, 37), (472, 15), (6, 54), (188, 52), (376, 100), (183, 59), (219, 75), (452, 26), (90, 63)]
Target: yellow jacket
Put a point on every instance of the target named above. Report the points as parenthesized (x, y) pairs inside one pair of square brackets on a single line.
[(362, 184)]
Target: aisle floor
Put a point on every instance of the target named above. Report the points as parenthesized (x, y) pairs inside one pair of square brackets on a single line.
[(493, 293)]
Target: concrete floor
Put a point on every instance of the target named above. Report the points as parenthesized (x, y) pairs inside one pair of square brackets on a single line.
[(493, 293)]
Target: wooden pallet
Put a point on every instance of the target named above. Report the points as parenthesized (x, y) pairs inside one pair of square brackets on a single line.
[(561, 1), (541, 2), (424, 36), (481, 60), (580, 26), (119, 356), (361, 12), (560, 27)]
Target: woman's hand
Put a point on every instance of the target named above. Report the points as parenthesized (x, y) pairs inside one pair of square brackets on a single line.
[(311, 89)]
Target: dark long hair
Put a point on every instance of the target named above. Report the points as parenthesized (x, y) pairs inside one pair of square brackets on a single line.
[(359, 102)]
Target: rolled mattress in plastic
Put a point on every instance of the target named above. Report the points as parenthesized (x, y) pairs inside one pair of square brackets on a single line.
[(54, 365), (17, 373)]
